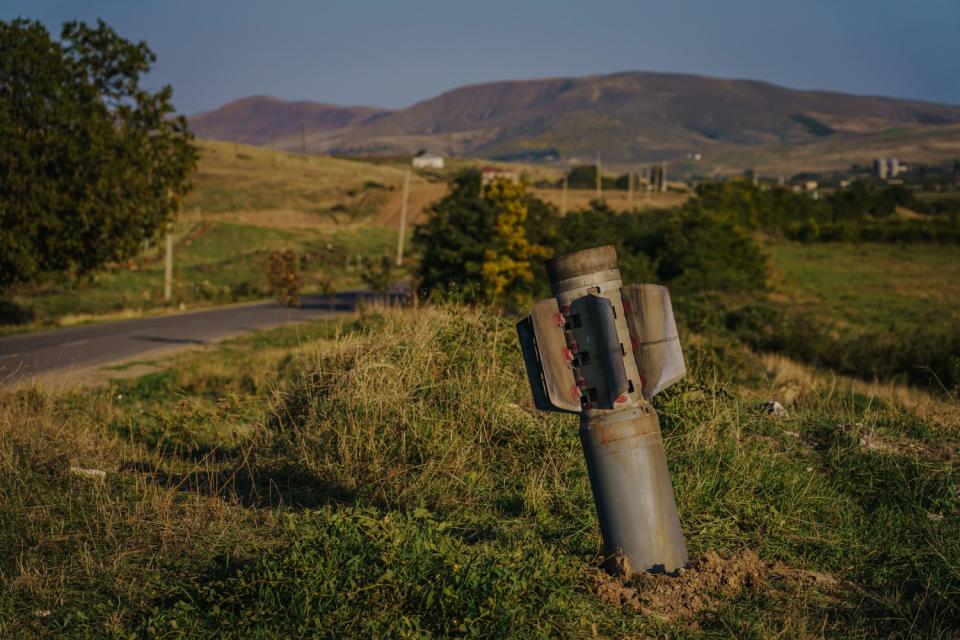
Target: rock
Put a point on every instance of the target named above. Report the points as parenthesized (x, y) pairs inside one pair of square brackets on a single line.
[(775, 409)]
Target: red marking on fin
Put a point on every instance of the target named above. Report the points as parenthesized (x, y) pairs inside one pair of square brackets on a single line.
[(621, 399)]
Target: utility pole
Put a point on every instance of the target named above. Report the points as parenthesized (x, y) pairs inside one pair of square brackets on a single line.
[(630, 189), (403, 217), (599, 177), (563, 196), (168, 268)]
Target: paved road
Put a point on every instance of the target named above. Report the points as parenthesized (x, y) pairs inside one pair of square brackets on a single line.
[(76, 348)]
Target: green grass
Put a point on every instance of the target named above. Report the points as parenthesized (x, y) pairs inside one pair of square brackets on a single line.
[(872, 286), (214, 263), (390, 477)]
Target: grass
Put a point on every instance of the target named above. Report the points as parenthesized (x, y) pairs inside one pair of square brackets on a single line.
[(389, 476), (920, 144), (871, 286), (233, 177), (215, 263)]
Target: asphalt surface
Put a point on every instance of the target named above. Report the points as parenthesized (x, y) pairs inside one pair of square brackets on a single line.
[(80, 348)]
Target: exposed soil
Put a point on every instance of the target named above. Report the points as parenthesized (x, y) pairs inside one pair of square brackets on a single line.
[(704, 585)]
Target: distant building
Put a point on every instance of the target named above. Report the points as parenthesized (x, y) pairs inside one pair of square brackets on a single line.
[(489, 174), (888, 168), (810, 185), (880, 168), (428, 161)]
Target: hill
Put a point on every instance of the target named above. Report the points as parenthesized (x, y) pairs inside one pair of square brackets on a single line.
[(631, 117), (262, 119)]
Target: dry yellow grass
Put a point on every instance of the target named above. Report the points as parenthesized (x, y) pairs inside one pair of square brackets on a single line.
[(233, 178), (617, 200), (792, 381)]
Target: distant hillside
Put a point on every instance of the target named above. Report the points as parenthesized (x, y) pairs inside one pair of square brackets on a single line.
[(262, 120), (631, 117)]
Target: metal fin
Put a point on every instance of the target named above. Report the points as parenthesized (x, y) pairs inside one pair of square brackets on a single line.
[(547, 358), (654, 330)]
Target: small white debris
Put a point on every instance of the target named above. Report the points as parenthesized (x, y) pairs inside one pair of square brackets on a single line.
[(809, 469), (934, 517), (775, 409), (792, 434), (90, 474), (42, 613)]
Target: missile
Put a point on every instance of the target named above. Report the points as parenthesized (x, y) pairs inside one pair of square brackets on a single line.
[(604, 350)]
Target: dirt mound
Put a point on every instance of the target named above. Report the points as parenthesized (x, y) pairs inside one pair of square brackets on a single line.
[(702, 586)]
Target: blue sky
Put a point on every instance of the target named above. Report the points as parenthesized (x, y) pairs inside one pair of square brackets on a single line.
[(392, 54)]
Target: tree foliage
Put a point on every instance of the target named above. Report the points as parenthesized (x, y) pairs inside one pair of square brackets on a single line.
[(475, 240), (690, 249), (91, 163)]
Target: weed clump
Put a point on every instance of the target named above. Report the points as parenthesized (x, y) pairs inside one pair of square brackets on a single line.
[(422, 411)]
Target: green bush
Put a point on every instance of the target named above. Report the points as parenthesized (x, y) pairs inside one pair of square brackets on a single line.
[(690, 249)]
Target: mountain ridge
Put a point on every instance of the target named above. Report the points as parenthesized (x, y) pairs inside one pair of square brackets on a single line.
[(632, 116)]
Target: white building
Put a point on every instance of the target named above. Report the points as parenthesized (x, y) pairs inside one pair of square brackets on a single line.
[(428, 161)]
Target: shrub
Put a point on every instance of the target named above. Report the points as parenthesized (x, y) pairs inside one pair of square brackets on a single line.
[(284, 277), (475, 241)]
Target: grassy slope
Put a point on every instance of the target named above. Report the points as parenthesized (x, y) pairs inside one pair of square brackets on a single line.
[(913, 144), (391, 476), (233, 177), (872, 286)]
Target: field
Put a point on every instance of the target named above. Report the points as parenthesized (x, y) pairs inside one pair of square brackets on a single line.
[(616, 200), (912, 144), (388, 475), (871, 287)]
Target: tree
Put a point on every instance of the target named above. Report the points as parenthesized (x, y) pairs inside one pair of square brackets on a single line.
[(91, 164), (475, 240), (378, 273), (700, 250)]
